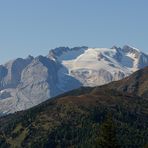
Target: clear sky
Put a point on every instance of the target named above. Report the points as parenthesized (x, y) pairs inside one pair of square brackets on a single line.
[(35, 26)]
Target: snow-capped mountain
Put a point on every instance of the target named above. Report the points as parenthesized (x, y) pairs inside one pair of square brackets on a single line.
[(27, 82)]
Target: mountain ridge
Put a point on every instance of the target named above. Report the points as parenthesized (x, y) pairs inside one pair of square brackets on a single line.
[(27, 82)]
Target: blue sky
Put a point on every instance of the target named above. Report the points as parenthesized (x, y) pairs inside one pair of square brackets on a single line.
[(35, 26)]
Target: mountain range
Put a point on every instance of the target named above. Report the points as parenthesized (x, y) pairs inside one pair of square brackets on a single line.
[(25, 83), (78, 118)]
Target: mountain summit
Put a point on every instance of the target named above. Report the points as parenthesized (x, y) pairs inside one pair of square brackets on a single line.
[(27, 82)]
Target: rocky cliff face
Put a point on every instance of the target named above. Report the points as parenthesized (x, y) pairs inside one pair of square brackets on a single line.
[(10, 73), (27, 82)]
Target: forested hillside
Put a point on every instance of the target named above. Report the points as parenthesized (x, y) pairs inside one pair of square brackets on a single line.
[(96, 117)]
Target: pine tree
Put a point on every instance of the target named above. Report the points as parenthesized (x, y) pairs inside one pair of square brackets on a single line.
[(107, 134)]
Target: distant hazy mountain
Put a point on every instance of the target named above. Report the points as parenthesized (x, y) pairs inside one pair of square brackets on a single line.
[(27, 82)]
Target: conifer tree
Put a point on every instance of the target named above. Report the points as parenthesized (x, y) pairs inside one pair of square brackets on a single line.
[(107, 134)]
